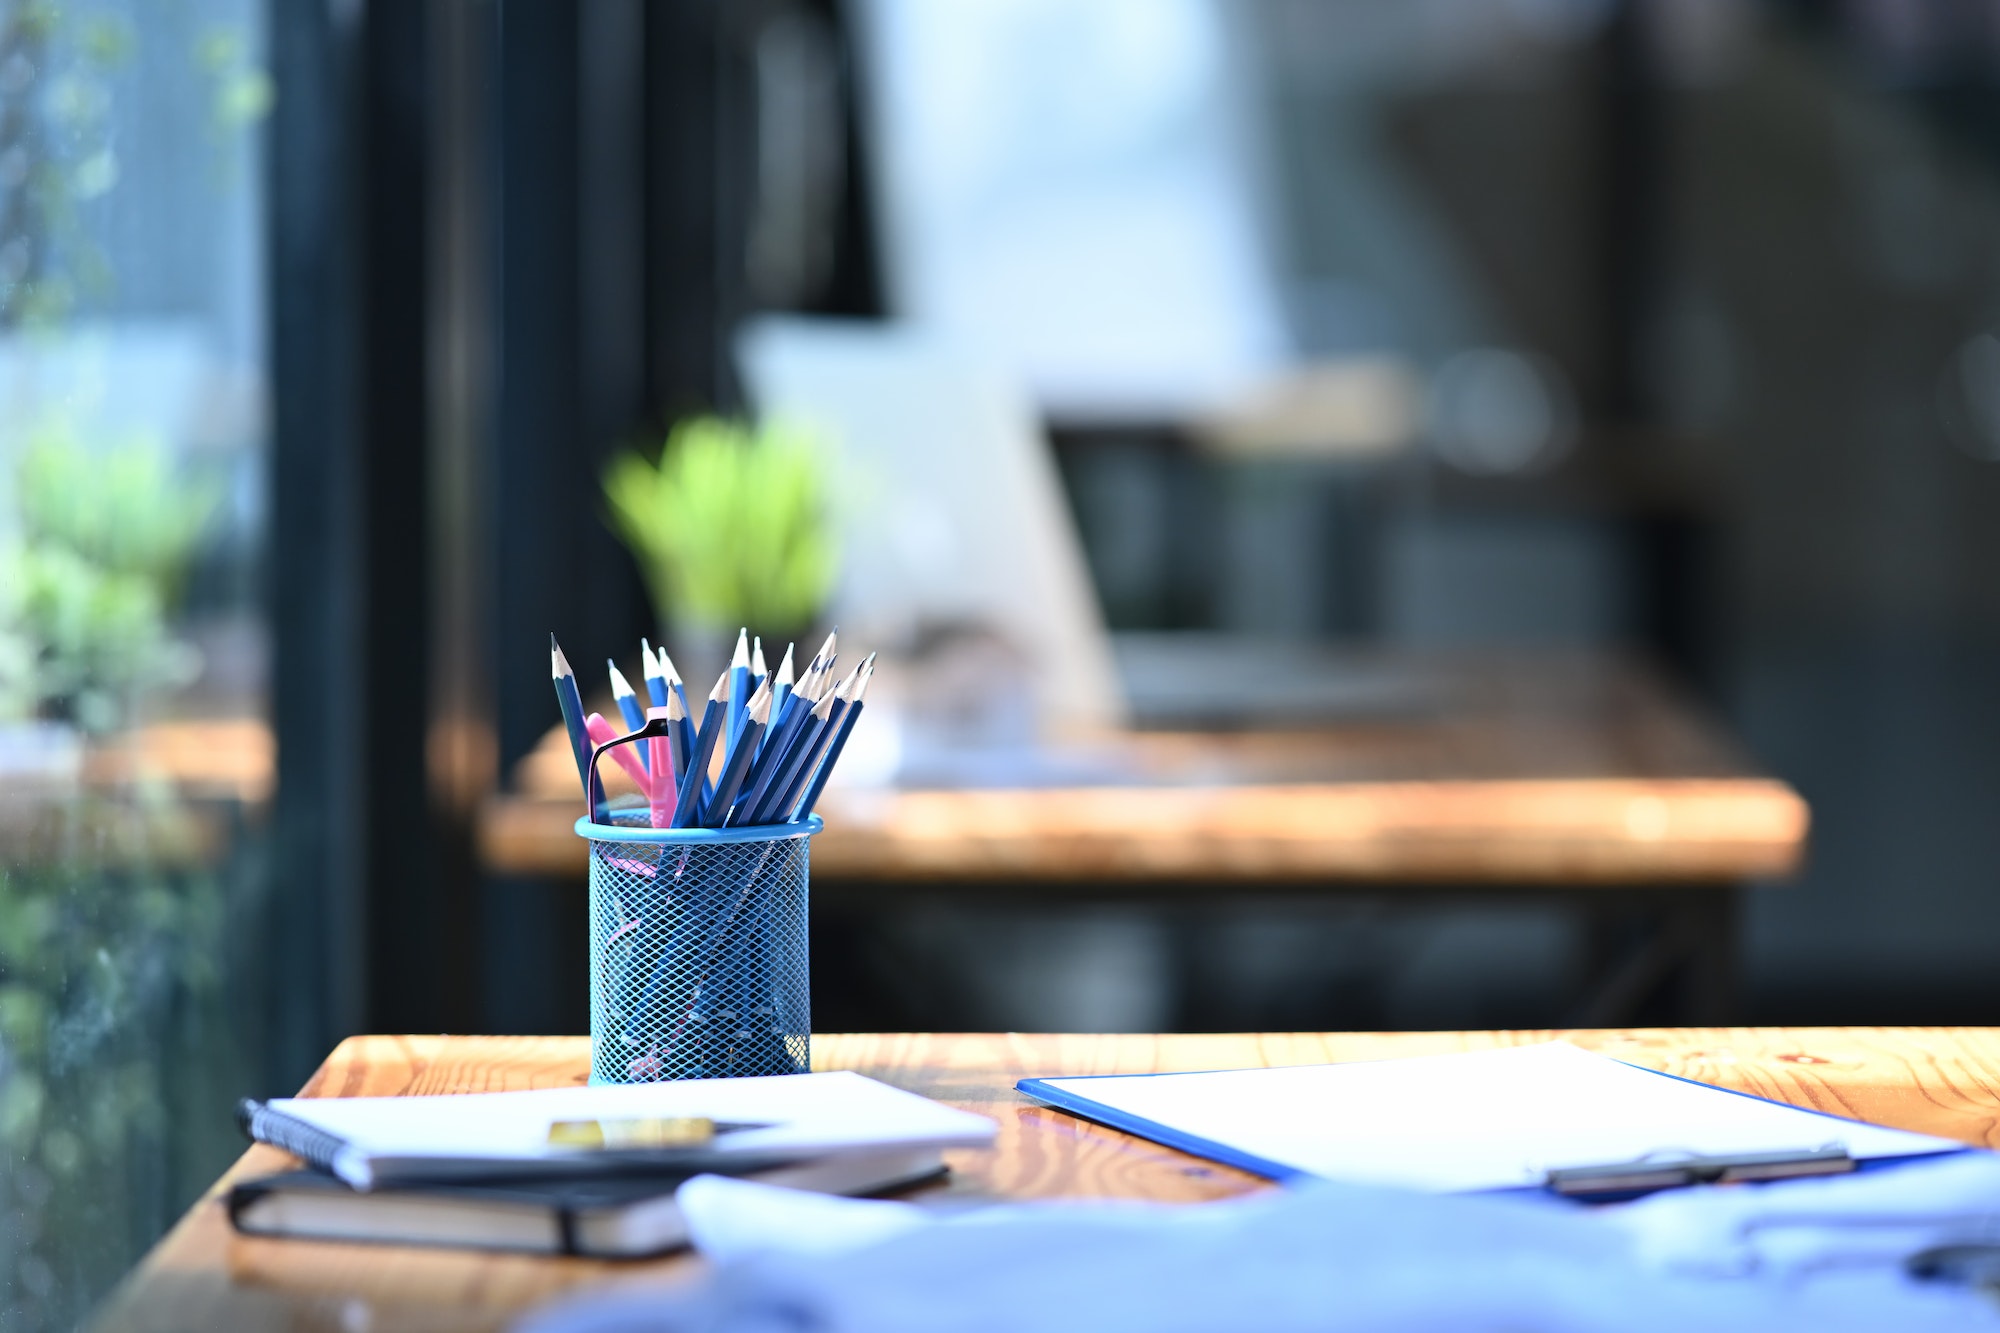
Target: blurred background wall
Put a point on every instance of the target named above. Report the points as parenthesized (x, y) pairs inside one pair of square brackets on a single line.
[(1656, 326)]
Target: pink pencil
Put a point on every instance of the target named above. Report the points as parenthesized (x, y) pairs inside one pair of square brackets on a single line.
[(661, 796), (601, 732)]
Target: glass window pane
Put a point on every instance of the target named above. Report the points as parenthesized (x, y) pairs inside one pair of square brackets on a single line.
[(134, 758)]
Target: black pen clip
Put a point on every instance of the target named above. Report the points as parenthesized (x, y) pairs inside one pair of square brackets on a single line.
[(1658, 1172), (656, 728)]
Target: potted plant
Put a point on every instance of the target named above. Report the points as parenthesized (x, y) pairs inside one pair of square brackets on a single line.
[(731, 527)]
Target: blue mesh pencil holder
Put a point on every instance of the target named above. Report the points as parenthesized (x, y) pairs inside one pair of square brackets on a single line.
[(698, 959)]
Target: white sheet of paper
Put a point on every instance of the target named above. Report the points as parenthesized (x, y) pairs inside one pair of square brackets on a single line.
[(809, 1112), (1479, 1120)]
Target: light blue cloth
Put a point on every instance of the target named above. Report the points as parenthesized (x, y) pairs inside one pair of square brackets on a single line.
[(1326, 1257)]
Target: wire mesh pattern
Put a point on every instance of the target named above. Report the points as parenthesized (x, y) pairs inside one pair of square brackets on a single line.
[(698, 959)]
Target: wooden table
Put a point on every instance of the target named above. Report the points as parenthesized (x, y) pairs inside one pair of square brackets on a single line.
[(1942, 1081), (1574, 778), (166, 795), (1540, 768)]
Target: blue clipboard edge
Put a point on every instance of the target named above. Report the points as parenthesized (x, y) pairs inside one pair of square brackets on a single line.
[(1063, 1099)]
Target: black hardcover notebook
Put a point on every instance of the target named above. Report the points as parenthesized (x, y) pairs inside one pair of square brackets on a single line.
[(599, 1217)]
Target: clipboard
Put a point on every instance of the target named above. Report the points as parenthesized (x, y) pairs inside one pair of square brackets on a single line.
[(1499, 1120)]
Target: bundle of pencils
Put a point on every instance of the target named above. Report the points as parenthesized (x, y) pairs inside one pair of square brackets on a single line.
[(760, 753)]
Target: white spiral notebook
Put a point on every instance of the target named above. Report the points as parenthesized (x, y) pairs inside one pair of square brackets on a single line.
[(370, 1141)]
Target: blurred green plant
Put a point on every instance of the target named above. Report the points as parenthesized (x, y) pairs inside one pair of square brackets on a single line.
[(120, 938), (731, 526), (111, 927), (55, 128), (106, 537), (117, 1046), (241, 92)]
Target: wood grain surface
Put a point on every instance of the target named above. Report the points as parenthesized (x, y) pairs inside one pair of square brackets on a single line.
[(1554, 768), (1942, 1081), (1578, 832), (233, 758)]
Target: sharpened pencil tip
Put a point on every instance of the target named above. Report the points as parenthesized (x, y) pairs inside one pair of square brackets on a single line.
[(620, 687), (741, 657), (720, 694), (785, 667), (757, 658), (558, 664)]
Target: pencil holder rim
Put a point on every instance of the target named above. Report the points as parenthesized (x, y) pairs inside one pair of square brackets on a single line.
[(595, 832)]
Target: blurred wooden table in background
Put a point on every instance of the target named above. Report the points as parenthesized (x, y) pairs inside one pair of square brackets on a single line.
[(1573, 777), (168, 794), (1943, 1081), (1503, 768)]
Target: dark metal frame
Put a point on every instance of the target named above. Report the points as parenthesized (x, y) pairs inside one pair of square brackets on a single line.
[(358, 935), (506, 239)]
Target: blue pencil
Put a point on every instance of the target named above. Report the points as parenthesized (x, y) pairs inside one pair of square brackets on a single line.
[(680, 741), (687, 806), (771, 752), (755, 718), (832, 707), (579, 735), (780, 739), (841, 733), (775, 766), (656, 677), (821, 666), (673, 679), (812, 681), (817, 726), (820, 701), (759, 673), (799, 699), (628, 708), (816, 681), (781, 691), (739, 689)]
